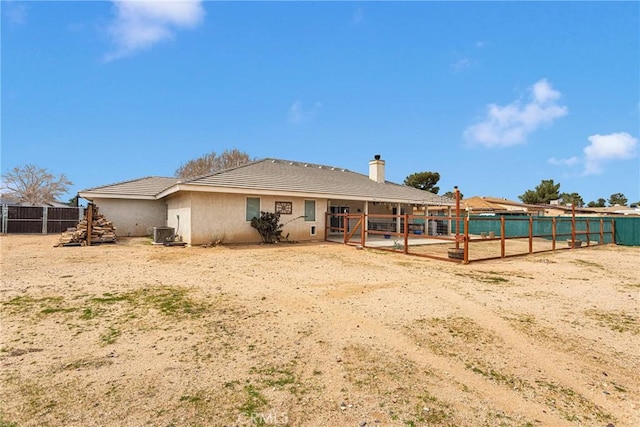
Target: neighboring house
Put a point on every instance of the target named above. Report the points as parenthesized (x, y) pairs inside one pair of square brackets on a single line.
[(499, 206), (221, 205), (11, 201), (586, 211)]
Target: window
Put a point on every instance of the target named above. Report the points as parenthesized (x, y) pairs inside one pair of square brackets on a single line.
[(253, 208), (309, 210)]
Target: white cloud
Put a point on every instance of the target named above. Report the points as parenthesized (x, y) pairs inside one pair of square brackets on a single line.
[(16, 13), (461, 64), (603, 148), (298, 114), (357, 17), (571, 161), (511, 124), (139, 24)]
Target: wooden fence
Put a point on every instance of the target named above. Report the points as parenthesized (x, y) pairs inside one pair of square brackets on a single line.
[(467, 239), (38, 219)]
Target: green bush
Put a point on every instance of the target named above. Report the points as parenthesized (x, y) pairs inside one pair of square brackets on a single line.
[(269, 226)]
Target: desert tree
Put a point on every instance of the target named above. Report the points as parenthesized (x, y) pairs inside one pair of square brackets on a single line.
[(425, 181), (573, 199), (212, 163), (600, 203), (452, 195), (545, 192), (618, 199), (34, 185)]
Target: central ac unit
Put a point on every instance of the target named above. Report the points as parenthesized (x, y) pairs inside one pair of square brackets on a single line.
[(162, 235)]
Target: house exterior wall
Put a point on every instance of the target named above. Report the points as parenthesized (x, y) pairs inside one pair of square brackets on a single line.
[(220, 215), (179, 215), (133, 217)]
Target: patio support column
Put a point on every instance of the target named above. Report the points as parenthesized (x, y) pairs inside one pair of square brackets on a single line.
[(426, 220), (366, 218), (398, 218)]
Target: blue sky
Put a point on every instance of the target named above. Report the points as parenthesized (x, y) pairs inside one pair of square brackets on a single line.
[(494, 96)]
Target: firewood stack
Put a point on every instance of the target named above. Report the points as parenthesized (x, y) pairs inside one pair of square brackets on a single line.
[(102, 230)]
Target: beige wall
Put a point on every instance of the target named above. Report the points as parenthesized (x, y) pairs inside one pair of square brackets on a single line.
[(179, 215), (218, 215), (133, 217)]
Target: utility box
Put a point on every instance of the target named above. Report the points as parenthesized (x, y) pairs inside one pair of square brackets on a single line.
[(161, 235)]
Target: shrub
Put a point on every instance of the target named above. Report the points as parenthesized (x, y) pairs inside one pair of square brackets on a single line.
[(269, 226)]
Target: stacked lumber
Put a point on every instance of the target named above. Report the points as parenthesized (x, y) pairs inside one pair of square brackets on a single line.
[(102, 230)]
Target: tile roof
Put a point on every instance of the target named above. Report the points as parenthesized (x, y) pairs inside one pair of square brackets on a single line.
[(148, 186), (300, 177), (282, 176), (497, 203)]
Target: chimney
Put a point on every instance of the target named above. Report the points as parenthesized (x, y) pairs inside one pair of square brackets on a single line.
[(376, 169)]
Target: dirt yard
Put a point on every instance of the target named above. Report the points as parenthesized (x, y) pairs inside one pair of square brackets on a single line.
[(133, 334)]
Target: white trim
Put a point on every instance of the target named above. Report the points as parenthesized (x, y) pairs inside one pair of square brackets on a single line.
[(246, 206), (89, 195), (315, 206)]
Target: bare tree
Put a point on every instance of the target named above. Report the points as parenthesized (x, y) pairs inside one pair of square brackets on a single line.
[(212, 163), (34, 185)]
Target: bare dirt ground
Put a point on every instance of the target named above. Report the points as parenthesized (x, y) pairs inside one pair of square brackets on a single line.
[(315, 335)]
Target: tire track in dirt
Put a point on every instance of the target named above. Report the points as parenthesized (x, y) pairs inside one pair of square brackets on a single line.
[(368, 331)]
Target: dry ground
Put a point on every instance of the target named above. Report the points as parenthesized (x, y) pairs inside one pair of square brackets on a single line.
[(323, 334)]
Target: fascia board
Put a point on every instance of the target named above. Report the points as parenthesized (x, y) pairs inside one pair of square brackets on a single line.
[(262, 192), (90, 195)]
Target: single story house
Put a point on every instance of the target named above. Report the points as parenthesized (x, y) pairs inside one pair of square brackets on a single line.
[(559, 210), (480, 205), (221, 205)]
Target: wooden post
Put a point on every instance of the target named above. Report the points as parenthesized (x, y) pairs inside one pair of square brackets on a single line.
[(530, 234), (601, 231), (345, 228), (588, 236), (573, 226), (502, 232), (327, 221), (363, 234), (613, 231), (89, 222), (553, 234), (457, 194), (465, 257)]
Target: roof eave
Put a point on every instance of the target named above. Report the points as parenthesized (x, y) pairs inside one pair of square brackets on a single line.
[(90, 195), (243, 190)]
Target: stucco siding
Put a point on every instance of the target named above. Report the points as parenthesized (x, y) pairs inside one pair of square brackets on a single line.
[(179, 215), (133, 217), (223, 216)]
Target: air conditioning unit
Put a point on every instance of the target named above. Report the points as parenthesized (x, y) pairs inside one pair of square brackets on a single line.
[(162, 235)]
